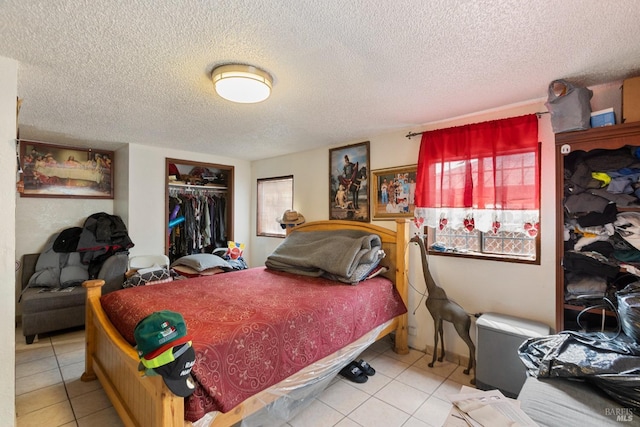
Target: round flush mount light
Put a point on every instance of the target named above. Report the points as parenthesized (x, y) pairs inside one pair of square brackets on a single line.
[(242, 83)]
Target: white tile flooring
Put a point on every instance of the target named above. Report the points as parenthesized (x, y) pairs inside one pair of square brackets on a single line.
[(403, 392), (48, 387)]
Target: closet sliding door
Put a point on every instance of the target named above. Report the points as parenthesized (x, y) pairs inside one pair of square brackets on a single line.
[(199, 207)]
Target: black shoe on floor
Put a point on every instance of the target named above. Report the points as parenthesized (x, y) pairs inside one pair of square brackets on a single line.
[(354, 373), (366, 368)]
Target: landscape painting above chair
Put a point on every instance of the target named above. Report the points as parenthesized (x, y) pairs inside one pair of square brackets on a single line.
[(49, 170), (349, 182)]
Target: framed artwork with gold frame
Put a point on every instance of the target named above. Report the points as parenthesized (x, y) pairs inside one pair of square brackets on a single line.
[(393, 191), (49, 170)]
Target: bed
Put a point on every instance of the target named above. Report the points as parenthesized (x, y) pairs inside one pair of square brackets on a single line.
[(146, 401)]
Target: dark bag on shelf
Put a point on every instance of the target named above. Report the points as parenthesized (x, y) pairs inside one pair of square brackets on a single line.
[(569, 106)]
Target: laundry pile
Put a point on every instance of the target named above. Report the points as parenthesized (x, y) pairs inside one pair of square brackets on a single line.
[(601, 222)]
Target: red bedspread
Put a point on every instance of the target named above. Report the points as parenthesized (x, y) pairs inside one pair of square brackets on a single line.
[(253, 328)]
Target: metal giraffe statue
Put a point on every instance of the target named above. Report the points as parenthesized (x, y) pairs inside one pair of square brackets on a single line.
[(442, 308)]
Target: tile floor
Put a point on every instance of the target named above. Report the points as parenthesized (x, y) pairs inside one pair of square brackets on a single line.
[(403, 392)]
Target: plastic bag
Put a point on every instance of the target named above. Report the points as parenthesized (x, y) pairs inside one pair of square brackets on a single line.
[(569, 106), (629, 310), (609, 361)]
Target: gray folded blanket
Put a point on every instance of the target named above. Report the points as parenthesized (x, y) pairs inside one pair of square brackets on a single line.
[(345, 255)]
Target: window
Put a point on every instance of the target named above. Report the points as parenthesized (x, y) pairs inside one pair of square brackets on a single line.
[(275, 195), (478, 189), (511, 245)]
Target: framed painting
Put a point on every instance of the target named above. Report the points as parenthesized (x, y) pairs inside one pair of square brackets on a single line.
[(349, 182), (393, 191), (50, 170)]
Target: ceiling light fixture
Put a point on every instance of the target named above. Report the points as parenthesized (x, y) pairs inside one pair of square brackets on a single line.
[(242, 83)]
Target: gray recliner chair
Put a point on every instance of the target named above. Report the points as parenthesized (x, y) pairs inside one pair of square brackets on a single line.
[(52, 311)]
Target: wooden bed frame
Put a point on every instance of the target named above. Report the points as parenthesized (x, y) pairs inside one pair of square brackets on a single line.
[(146, 401)]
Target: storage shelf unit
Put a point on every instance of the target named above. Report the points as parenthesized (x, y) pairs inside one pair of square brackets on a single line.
[(602, 138)]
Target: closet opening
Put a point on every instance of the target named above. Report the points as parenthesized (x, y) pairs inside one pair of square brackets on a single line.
[(199, 207)]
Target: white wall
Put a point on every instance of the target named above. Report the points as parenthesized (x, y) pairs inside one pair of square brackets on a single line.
[(144, 202), (311, 193), (39, 218), (8, 94), (310, 170), (480, 286)]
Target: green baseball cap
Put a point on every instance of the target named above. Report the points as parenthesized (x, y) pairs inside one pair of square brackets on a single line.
[(158, 330)]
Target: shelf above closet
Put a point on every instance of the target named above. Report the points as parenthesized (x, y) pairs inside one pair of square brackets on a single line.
[(198, 186)]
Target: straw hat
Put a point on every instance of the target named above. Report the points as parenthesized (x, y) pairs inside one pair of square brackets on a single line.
[(290, 217)]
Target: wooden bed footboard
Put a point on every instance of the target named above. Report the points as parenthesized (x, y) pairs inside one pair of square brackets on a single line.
[(146, 401), (138, 400)]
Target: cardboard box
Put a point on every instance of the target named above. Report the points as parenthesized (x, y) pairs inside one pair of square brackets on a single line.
[(631, 100), (603, 118)]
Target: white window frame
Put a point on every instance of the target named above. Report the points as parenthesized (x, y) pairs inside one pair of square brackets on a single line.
[(274, 196)]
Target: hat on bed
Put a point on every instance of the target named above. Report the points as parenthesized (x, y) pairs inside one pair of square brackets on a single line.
[(158, 332), (290, 217)]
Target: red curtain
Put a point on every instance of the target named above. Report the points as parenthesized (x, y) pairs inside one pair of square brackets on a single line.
[(491, 165)]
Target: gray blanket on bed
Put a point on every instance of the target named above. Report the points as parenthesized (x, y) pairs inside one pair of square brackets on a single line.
[(345, 255)]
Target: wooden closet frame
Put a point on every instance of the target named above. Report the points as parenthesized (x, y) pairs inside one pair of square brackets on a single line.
[(606, 137), (230, 196)]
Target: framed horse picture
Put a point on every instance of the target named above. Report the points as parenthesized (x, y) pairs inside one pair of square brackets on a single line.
[(349, 182)]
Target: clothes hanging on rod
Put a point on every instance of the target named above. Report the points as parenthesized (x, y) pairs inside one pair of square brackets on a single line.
[(204, 226)]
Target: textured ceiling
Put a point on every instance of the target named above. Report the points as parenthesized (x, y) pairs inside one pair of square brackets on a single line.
[(108, 72)]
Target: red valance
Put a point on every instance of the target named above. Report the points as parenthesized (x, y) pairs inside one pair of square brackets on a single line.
[(483, 166), (483, 175)]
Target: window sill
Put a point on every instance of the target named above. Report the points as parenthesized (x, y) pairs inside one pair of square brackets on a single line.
[(281, 236), (484, 256)]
